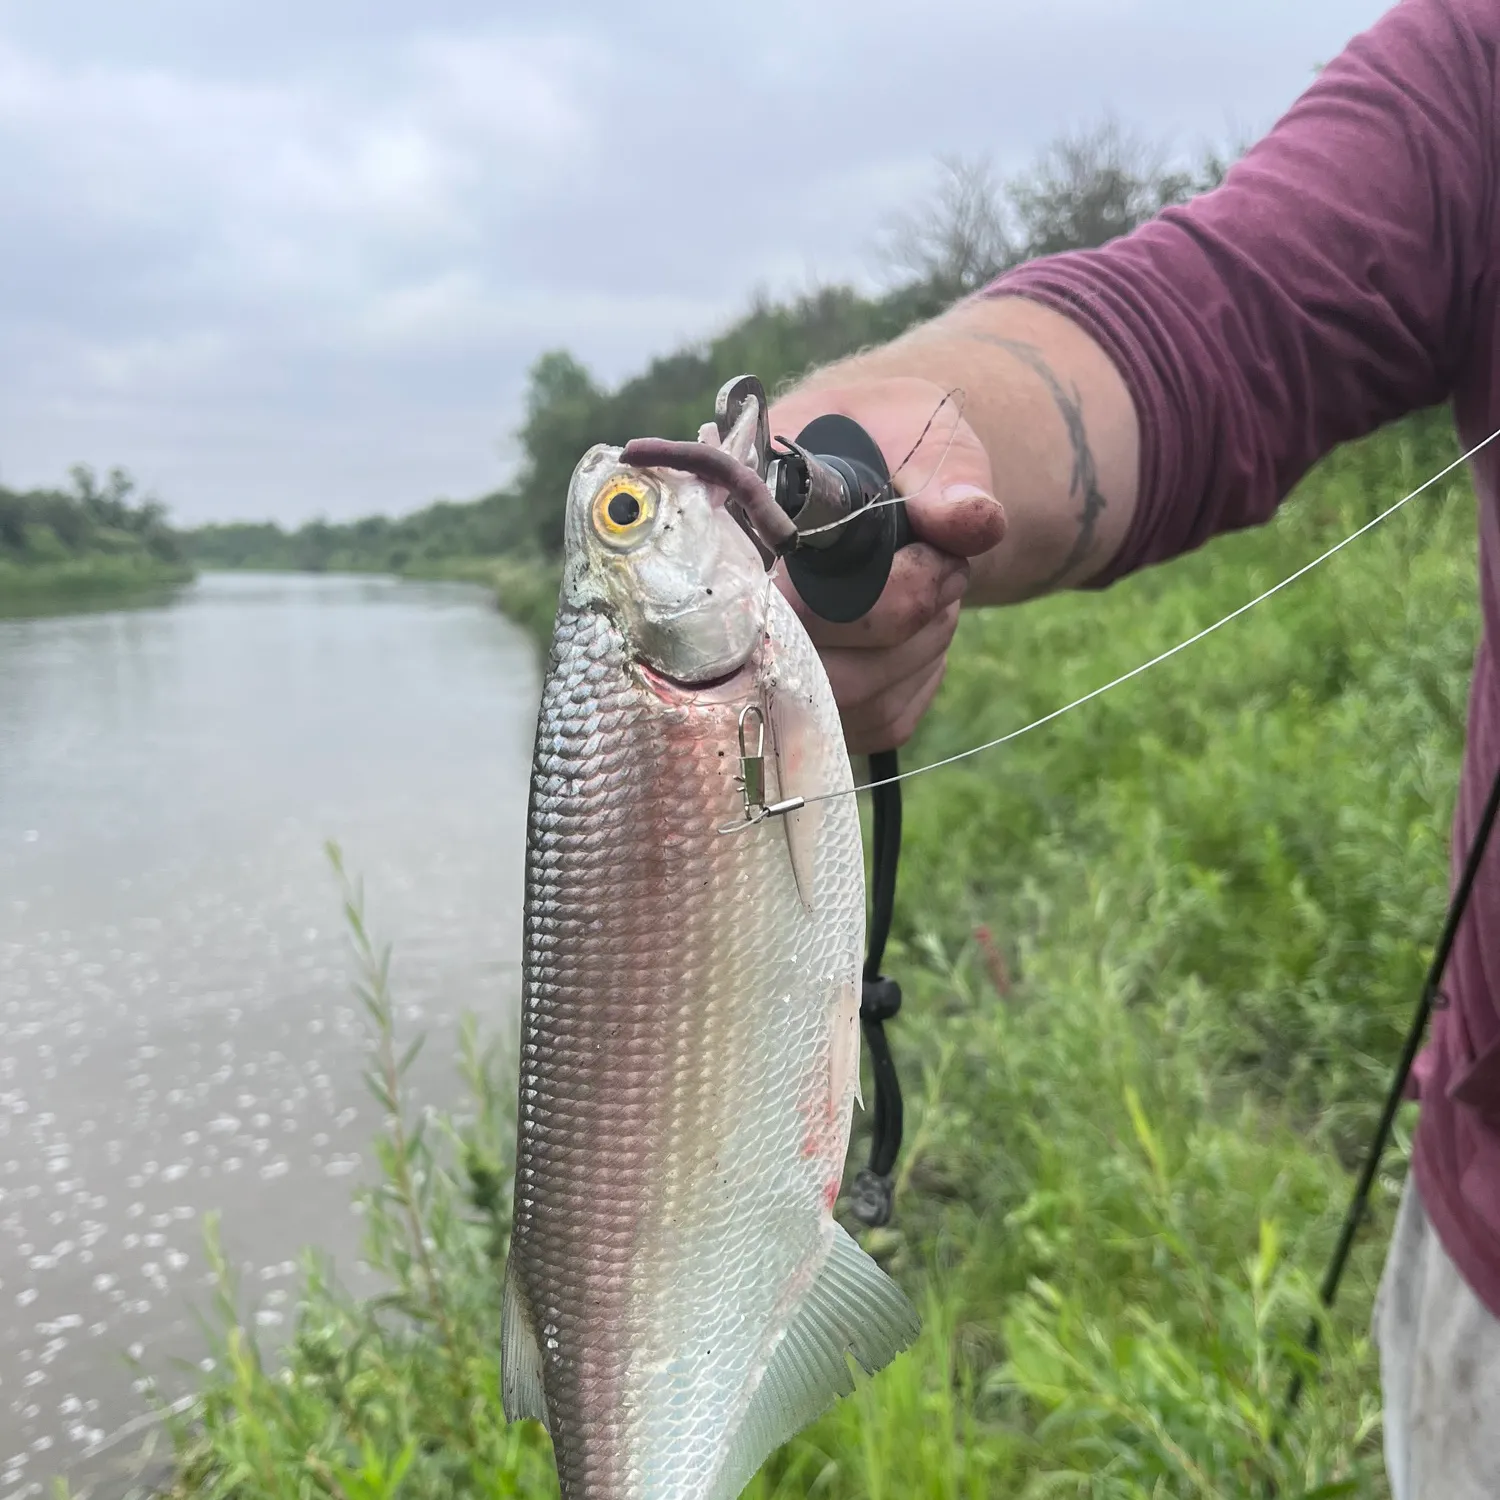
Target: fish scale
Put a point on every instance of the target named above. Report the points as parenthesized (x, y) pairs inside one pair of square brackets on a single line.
[(685, 1086)]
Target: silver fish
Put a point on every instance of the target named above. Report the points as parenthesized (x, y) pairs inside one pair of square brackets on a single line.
[(679, 1299)]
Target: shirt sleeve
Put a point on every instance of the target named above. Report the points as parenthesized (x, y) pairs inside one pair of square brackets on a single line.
[(1325, 288)]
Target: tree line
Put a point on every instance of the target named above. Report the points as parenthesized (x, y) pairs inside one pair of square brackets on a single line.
[(94, 519), (1085, 189)]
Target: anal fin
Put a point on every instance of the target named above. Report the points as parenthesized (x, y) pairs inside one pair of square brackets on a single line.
[(521, 1391), (853, 1308)]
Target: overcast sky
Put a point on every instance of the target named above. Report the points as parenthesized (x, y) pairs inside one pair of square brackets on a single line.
[(281, 259)]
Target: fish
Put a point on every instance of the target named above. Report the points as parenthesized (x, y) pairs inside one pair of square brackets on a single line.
[(679, 1299)]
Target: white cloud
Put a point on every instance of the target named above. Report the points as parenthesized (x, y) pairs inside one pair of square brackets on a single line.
[(284, 258)]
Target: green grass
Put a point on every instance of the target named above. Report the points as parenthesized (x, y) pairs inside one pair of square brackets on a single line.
[(86, 581), (527, 591), (1157, 956)]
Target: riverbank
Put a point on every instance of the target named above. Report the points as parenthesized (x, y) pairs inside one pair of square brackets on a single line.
[(86, 583), (95, 543), (525, 588), (1157, 960)]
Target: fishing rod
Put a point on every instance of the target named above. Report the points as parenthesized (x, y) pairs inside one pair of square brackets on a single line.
[(1430, 999)]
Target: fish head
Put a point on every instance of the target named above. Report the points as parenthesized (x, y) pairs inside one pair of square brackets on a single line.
[(658, 553)]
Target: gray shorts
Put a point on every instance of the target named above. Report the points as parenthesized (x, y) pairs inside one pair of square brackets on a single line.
[(1439, 1370)]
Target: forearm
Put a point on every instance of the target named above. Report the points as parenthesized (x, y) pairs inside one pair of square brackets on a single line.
[(1056, 420), (1125, 405)]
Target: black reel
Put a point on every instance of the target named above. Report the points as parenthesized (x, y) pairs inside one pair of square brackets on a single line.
[(840, 572)]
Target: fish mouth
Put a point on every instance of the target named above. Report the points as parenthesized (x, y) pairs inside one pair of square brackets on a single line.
[(681, 687)]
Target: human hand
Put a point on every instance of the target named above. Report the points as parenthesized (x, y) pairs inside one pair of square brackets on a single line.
[(886, 667)]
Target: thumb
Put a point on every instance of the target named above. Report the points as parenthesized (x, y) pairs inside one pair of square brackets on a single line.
[(962, 519), (940, 462)]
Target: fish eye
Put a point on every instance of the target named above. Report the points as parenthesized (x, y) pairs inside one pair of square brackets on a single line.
[(623, 509)]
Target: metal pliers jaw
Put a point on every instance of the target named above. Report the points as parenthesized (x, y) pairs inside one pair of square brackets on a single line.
[(729, 410)]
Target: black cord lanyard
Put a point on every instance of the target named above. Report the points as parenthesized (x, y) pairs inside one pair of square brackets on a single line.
[(874, 1188)]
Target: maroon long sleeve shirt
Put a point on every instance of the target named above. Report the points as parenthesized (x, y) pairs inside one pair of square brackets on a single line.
[(1345, 274)]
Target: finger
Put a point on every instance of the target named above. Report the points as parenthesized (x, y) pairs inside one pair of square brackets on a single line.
[(922, 581), (922, 433), (891, 719), (876, 717), (859, 677), (938, 461), (961, 519)]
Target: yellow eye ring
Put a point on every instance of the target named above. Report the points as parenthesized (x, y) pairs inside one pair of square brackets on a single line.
[(623, 509)]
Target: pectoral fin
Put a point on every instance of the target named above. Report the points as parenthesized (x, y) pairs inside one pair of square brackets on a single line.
[(794, 733), (843, 1047)]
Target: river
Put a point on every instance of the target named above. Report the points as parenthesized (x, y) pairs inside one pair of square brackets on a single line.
[(176, 1028)]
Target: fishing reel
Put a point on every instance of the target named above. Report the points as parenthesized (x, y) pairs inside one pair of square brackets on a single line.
[(833, 484)]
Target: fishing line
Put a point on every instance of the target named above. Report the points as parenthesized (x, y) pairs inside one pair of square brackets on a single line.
[(956, 397), (954, 394), (1171, 651)]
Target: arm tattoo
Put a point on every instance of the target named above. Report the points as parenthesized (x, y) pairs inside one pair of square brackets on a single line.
[(1085, 481)]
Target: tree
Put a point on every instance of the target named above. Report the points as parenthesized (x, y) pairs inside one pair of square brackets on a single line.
[(1086, 188), (562, 406), (1091, 186), (12, 521), (957, 240)]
